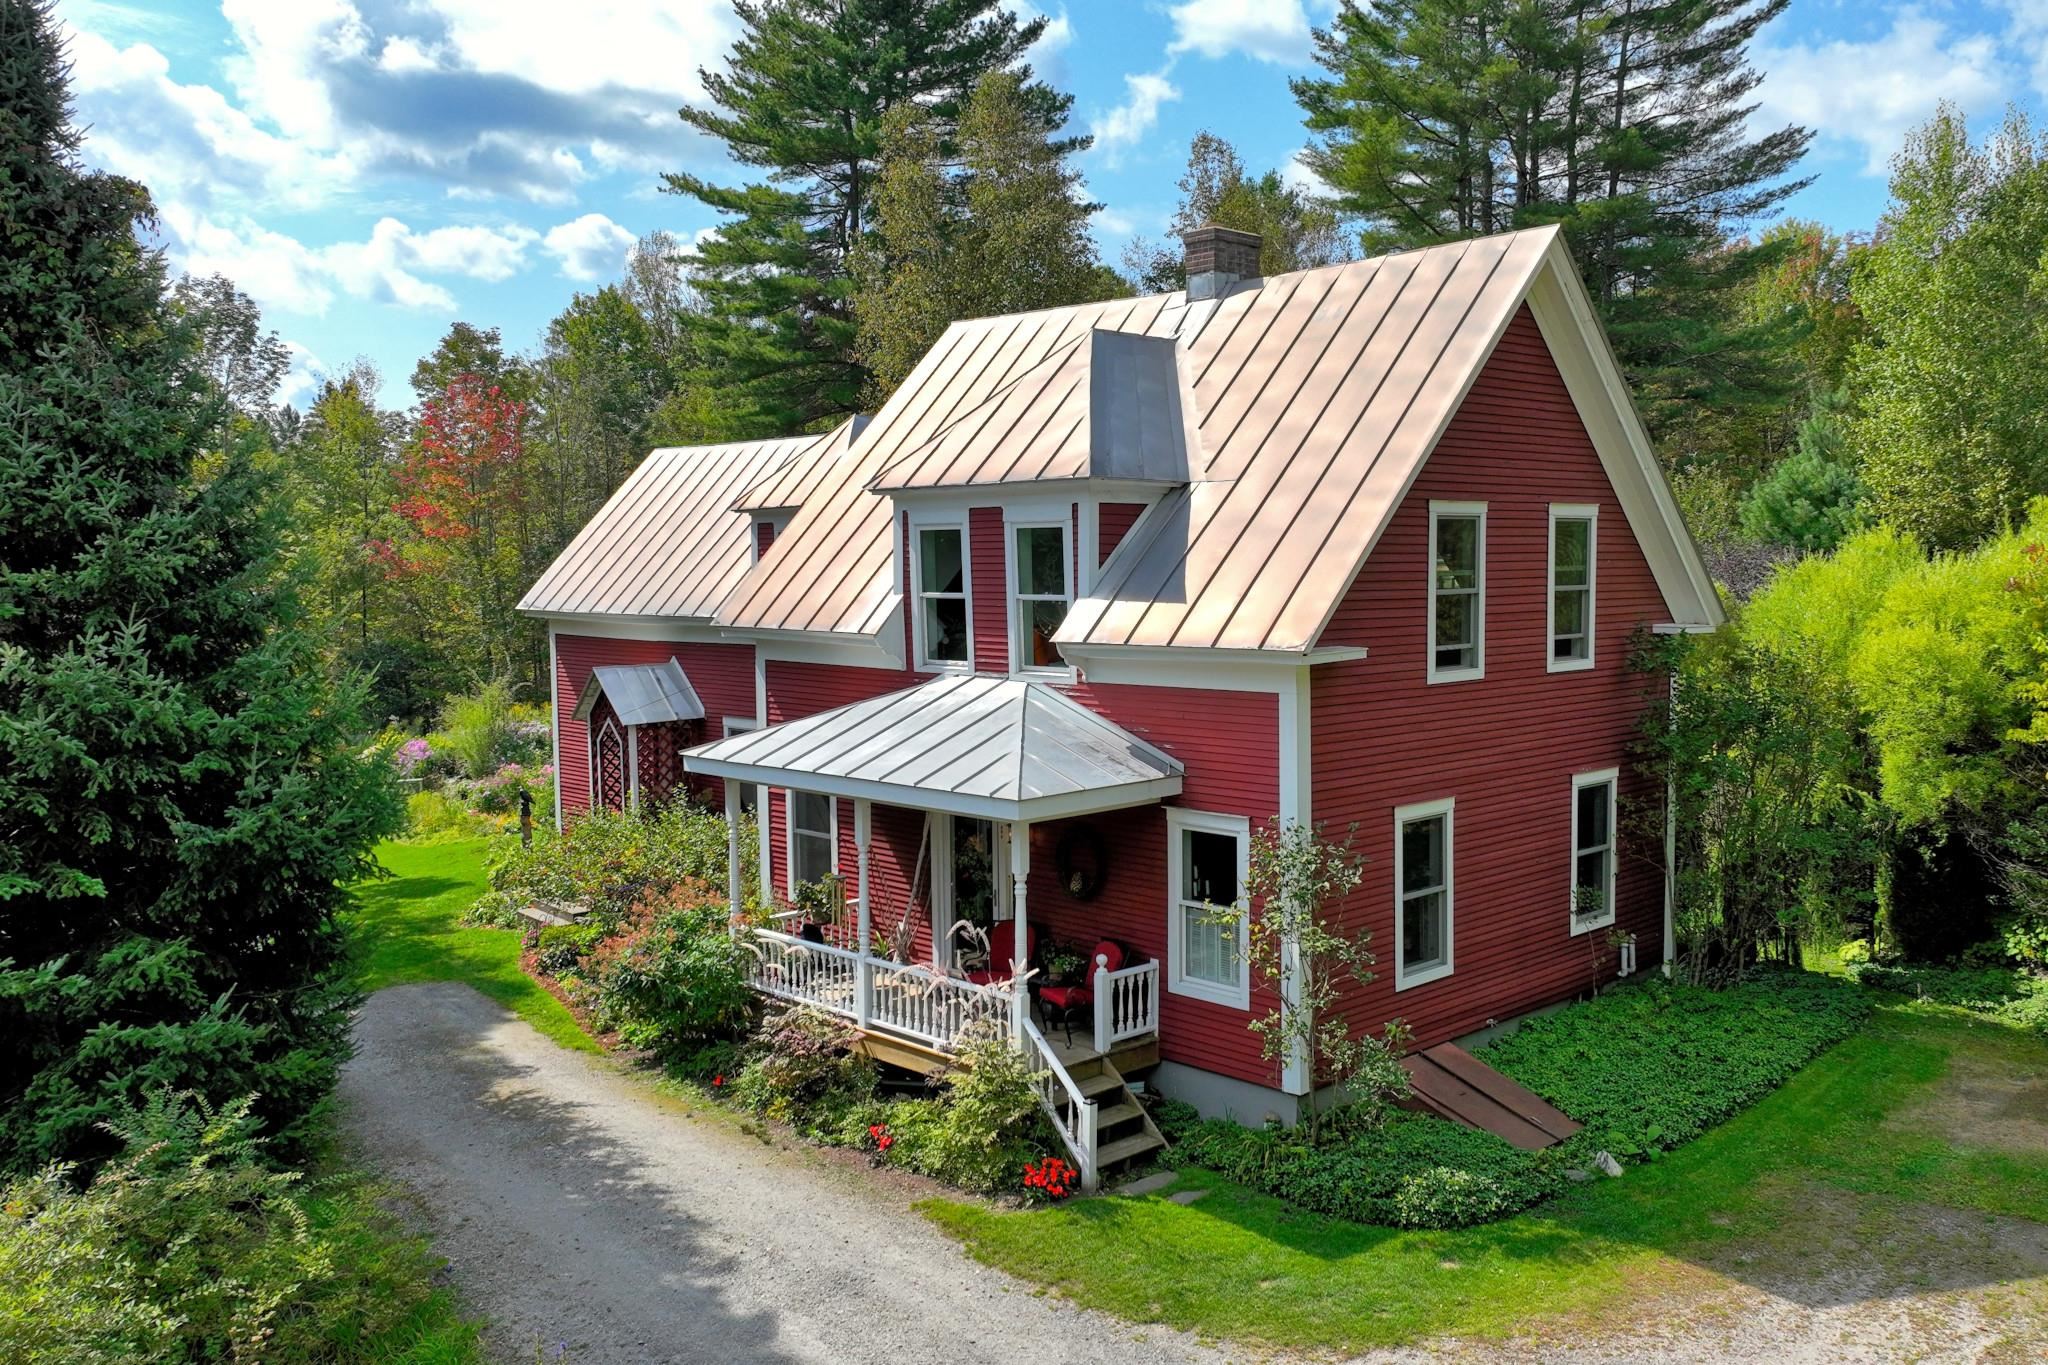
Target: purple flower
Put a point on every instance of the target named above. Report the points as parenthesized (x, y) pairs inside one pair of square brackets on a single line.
[(411, 754)]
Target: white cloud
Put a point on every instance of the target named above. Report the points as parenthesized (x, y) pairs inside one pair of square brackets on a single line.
[(1270, 30), (589, 248), (1870, 93), (1296, 175), (279, 271), (1128, 122), (1058, 35), (303, 379)]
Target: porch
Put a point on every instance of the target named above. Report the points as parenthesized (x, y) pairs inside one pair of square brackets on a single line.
[(995, 756)]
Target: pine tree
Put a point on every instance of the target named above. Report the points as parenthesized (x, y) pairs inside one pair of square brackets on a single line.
[(1004, 230), (803, 97), (1812, 500), (1623, 120), (181, 801), (1296, 231)]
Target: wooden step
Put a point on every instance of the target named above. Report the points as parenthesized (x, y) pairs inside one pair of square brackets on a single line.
[(1100, 1084), (1125, 1149), (1108, 1115)]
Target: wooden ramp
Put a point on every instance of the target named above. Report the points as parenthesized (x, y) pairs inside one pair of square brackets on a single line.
[(1450, 1082)]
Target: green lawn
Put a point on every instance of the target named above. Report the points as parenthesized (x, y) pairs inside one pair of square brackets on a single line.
[(1827, 1171), (410, 928)]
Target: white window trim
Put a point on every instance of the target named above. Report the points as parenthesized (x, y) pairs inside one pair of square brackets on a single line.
[(1611, 779), (1178, 822), (1013, 600), (743, 725), (1590, 514), (1403, 815), (925, 663), (1437, 511), (789, 796)]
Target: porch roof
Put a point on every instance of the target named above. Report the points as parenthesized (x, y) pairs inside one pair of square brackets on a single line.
[(986, 747), (642, 694)]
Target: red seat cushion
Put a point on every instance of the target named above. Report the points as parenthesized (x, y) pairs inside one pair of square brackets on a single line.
[(1067, 997), (1113, 954)]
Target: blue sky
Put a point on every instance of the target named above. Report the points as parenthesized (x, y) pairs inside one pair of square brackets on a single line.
[(372, 170)]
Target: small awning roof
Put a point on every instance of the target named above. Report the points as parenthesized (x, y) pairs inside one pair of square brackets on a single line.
[(986, 747), (642, 694)]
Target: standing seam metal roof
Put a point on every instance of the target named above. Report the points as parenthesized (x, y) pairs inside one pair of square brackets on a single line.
[(974, 738), (667, 542)]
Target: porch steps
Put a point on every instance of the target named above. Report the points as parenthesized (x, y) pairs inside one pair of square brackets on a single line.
[(1450, 1082), (1124, 1132)]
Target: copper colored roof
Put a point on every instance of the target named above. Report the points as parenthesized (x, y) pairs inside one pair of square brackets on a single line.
[(1111, 405), (667, 543)]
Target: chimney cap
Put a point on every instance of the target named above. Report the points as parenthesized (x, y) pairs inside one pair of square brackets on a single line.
[(1216, 232)]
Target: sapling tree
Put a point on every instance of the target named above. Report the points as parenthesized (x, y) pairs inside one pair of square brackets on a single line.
[(1296, 948)]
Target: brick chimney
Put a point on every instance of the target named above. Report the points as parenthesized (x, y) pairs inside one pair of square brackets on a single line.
[(1218, 257)]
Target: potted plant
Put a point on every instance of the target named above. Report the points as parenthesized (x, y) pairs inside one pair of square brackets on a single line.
[(821, 903), (1065, 962)]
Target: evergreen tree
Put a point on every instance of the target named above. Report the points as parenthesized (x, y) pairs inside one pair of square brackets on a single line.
[(1005, 231), (1296, 231), (803, 97), (181, 803), (1624, 120), (1813, 500)]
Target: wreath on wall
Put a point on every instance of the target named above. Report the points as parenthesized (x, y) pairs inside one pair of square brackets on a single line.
[(1082, 861)]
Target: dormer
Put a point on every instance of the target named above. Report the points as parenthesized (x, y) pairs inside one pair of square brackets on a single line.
[(1008, 511)]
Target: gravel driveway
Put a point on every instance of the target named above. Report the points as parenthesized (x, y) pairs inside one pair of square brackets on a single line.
[(576, 1205)]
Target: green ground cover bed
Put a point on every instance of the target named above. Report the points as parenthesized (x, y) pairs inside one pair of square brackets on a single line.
[(1645, 1067), (2012, 994)]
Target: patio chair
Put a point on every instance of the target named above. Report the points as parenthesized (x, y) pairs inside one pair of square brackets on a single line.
[(1063, 1003), (1002, 951)]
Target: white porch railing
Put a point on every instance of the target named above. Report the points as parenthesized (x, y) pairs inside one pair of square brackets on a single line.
[(929, 1007), (915, 1002), (1126, 1002), (1072, 1115)]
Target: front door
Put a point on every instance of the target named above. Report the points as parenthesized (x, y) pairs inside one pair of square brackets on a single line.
[(970, 860)]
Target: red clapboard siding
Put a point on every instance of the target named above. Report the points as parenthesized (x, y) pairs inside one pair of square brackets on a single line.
[(1229, 742), (990, 589), (1113, 521), (723, 675), (1506, 746)]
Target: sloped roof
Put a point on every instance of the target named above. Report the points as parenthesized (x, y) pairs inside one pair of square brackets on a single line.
[(1315, 396), (642, 694), (1110, 405), (994, 748), (667, 542)]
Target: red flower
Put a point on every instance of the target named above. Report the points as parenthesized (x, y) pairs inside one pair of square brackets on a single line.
[(718, 1080)]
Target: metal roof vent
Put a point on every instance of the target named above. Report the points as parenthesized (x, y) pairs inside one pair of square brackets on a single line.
[(1218, 257)]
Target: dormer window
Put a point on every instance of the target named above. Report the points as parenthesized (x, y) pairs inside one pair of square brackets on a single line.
[(1041, 570), (941, 586), (767, 526)]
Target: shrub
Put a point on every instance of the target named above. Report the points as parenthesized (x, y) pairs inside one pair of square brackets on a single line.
[(562, 947), (186, 1247), (1652, 1064), (1449, 1197), (805, 1071), (432, 817), (680, 979), (987, 1126), (608, 860), (476, 728)]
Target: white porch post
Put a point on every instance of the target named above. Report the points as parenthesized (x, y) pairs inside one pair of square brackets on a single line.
[(733, 889), (1100, 984), (633, 768), (863, 831), (1020, 928)]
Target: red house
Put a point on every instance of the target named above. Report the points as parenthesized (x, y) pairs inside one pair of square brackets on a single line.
[(1101, 590)]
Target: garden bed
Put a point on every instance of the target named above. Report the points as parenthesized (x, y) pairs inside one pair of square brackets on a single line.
[(2013, 995), (1645, 1067)]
